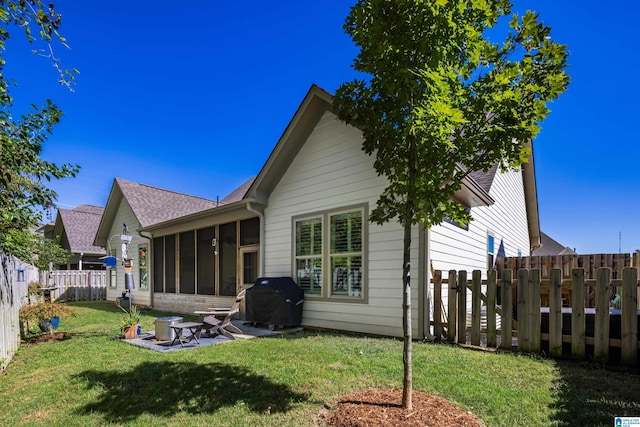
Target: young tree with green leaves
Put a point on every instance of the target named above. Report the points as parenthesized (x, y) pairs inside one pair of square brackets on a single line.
[(442, 99), (24, 176)]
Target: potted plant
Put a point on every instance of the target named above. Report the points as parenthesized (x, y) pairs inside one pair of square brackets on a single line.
[(129, 326), (47, 314), (34, 293)]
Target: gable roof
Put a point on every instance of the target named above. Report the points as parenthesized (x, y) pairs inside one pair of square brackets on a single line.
[(316, 102), (150, 205), (79, 225), (552, 247), (238, 193), (475, 187)]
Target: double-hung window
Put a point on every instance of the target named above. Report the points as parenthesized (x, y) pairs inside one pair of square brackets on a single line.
[(308, 258), (329, 253)]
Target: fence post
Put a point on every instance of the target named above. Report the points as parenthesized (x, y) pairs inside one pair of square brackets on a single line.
[(523, 315), (452, 300), (601, 322), (491, 308), (506, 323), (629, 317), (476, 314), (462, 307), (555, 313)]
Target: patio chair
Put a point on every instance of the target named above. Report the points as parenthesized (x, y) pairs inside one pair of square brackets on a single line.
[(217, 321)]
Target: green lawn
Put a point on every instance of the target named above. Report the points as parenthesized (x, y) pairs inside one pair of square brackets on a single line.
[(93, 379)]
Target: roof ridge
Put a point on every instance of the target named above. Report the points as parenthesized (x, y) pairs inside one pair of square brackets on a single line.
[(165, 190)]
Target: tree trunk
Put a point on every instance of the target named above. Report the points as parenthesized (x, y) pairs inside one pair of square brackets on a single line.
[(407, 383)]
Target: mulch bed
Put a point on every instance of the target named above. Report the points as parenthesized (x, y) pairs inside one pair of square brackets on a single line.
[(56, 336), (383, 407)]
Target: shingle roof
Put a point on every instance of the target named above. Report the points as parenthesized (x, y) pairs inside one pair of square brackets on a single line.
[(484, 179), (152, 205), (238, 193), (80, 226), (552, 247)]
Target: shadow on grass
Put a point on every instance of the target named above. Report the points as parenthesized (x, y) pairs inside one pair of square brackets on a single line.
[(590, 395), (166, 388)]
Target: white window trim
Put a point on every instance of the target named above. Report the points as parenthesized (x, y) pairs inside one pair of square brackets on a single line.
[(325, 257)]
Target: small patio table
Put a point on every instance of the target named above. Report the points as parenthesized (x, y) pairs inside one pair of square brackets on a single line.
[(194, 332)]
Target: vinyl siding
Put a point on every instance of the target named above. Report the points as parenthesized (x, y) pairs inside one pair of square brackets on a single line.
[(331, 171), (126, 216), (458, 249), (455, 248)]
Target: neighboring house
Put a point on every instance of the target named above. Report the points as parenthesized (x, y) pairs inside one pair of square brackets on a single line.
[(75, 230), (306, 215), (137, 206), (552, 247)]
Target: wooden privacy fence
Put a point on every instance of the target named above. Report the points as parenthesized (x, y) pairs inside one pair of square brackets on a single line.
[(74, 285), (12, 294), (578, 331)]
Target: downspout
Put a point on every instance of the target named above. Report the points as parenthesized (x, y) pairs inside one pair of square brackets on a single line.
[(260, 214), (149, 251)]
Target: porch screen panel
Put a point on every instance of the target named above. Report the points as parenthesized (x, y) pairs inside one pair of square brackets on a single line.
[(206, 266), (250, 232), (187, 263), (228, 259), (170, 264), (158, 264)]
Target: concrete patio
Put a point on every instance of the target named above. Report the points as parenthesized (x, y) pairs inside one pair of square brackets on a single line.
[(148, 339)]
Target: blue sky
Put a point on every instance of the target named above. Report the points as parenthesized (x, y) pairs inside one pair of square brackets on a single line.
[(192, 97)]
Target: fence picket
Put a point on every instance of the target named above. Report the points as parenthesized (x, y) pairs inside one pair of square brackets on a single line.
[(75, 285), (437, 304), (522, 293), (462, 307), (629, 316), (507, 311), (452, 297), (601, 323), (466, 319), (476, 313), (555, 313), (578, 341), (491, 308)]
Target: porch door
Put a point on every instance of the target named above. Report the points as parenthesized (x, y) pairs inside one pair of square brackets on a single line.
[(249, 265)]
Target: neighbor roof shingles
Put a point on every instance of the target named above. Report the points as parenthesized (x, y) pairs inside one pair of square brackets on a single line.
[(152, 205), (80, 225)]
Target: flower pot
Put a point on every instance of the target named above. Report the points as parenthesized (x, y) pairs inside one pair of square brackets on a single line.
[(130, 332), (44, 325), (49, 324)]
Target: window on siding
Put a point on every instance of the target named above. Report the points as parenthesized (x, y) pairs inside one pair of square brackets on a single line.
[(490, 251), (457, 224), (142, 267), (346, 254), (308, 258), (331, 255), (113, 275)]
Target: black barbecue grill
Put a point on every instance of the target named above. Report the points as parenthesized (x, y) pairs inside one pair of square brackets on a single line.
[(275, 301)]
